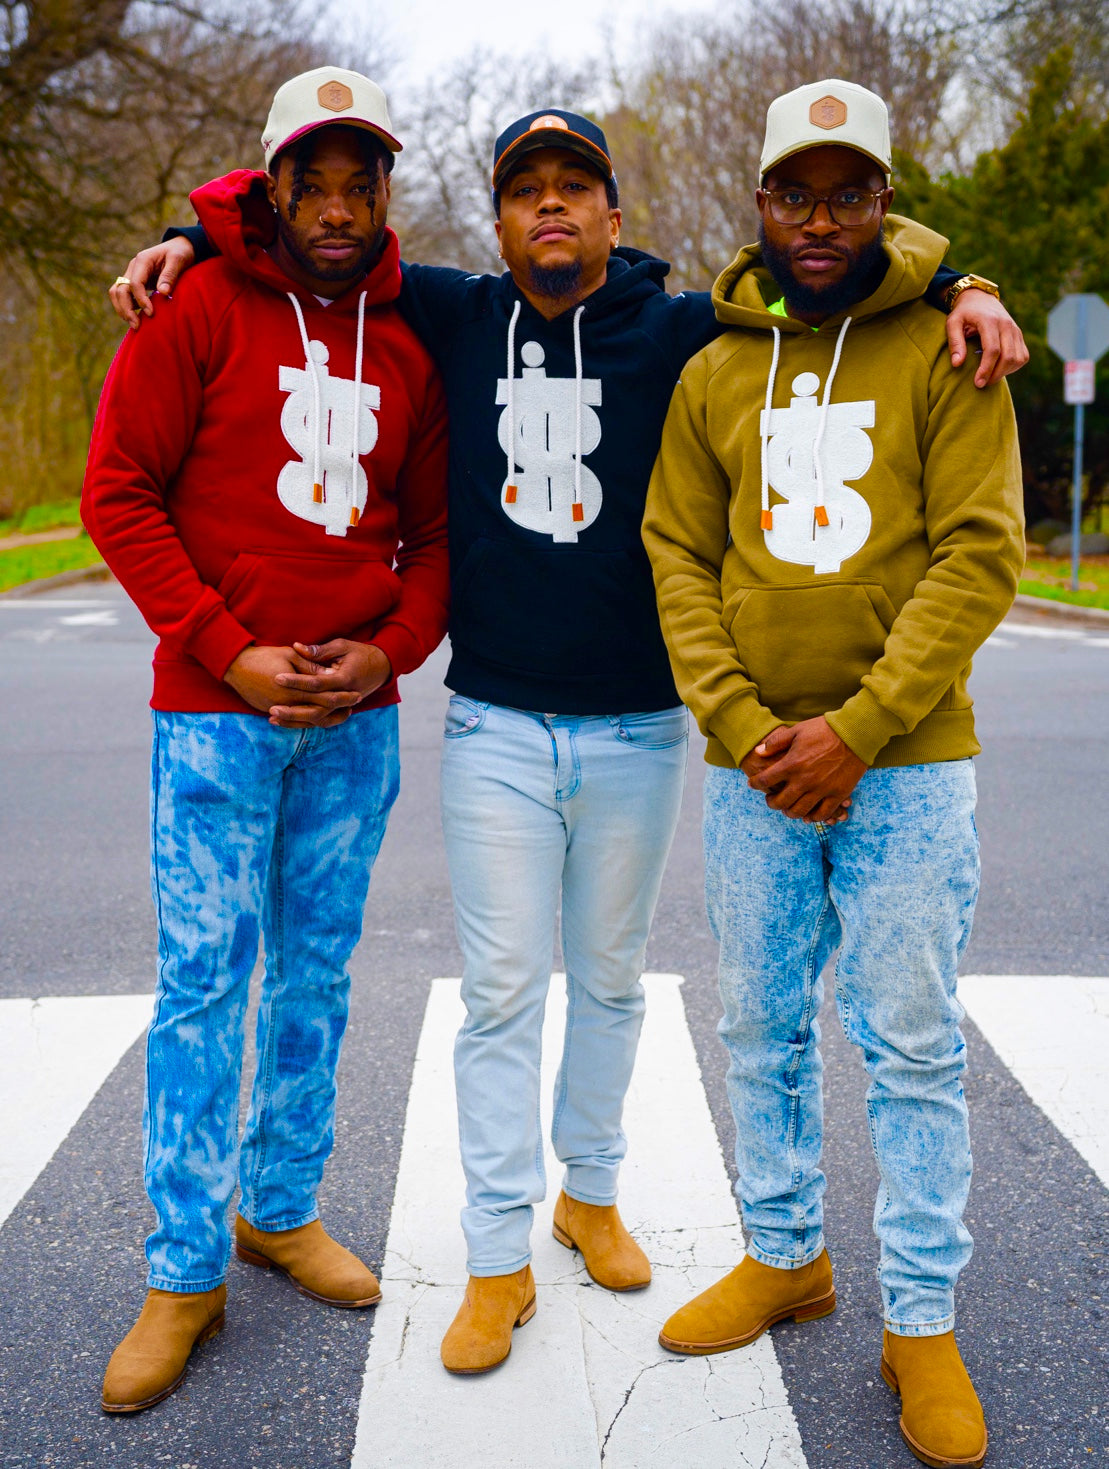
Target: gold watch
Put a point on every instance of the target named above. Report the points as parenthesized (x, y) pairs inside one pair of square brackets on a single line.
[(969, 283)]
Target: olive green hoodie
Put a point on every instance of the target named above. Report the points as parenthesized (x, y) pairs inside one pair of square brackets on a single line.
[(847, 551)]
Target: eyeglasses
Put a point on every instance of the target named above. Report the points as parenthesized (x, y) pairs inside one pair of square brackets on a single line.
[(846, 207)]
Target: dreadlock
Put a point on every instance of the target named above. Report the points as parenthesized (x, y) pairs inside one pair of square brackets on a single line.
[(373, 151)]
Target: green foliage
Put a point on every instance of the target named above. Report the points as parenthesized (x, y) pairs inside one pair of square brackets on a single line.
[(1034, 216), (30, 563), (50, 515)]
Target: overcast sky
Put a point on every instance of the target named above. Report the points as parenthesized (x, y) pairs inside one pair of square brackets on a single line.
[(429, 34)]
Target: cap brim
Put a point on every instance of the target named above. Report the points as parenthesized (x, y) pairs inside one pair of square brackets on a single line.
[(764, 168), (342, 122), (551, 138)]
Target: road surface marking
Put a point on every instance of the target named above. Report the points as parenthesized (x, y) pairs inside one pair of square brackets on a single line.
[(105, 617), (587, 1383), (1032, 630), (1052, 1032), (55, 1055)]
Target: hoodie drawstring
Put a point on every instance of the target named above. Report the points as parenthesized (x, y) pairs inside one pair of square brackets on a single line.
[(318, 495), (818, 467), (510, 467), (313, 372), (354, 515), (578, 509), (766, 519)]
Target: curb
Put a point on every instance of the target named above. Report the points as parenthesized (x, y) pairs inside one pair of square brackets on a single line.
[(99, 572), (1060, 609)]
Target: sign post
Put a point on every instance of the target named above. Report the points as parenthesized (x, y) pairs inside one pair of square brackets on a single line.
[(1078, 332)]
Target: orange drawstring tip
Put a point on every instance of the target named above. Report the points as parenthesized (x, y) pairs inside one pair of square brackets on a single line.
[(821, 515), (317, 494), (766, 520), (510, 494), (354, 516), (578, 510)]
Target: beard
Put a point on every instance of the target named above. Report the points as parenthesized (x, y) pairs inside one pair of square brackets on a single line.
[(337, 270), (866, 268), (555, 280)]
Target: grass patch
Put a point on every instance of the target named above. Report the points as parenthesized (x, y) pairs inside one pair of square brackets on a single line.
[(55, 515), (29, 563), (1049, 577)]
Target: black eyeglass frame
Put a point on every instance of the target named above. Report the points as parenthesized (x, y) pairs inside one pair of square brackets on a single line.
[(818, 199)]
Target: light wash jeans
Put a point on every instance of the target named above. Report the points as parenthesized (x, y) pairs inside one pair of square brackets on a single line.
[(893, 889), (255, 831), (538, 808)]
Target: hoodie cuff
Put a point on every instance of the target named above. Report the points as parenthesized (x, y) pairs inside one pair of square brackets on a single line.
[(740, 724), (864, 725), (217, 642), (402, 650)]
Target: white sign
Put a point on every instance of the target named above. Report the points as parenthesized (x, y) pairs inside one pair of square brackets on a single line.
[(1078, 382)]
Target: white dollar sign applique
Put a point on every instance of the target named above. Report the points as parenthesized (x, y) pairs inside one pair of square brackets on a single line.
[(544, 446), (298, 424), (845, 453)]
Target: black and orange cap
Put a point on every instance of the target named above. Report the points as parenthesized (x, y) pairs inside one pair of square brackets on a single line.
[(551, 128)]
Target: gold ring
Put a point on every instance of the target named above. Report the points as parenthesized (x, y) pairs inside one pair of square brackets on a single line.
[(120, 280)]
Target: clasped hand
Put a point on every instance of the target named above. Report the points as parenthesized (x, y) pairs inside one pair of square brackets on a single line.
[(308, 683), (805, 770)]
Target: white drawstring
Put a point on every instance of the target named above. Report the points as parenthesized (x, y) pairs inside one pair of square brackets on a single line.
[(510, 452), (354, 513), (766, 520), (310, 365), (818, 468), (578, 510)]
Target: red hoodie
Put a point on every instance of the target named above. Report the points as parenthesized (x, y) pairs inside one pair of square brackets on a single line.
[(199, 487)]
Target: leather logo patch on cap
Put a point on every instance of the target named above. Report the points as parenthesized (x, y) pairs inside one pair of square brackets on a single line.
[(550, 121), (335, 96), (828, 112)]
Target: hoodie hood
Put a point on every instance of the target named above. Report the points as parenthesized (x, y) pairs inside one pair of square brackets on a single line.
[(744, 291), (238, 219)]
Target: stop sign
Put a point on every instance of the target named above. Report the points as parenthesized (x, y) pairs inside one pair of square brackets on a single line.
[(1078, 328)]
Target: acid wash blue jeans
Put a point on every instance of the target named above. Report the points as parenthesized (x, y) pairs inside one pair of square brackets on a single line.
[(893, 890), (255, 832), (538, 810)]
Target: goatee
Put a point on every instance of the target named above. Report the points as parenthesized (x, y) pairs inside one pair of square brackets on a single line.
[(866, 268), (555, 280)]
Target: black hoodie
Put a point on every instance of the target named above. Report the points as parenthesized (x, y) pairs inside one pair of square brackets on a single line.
[(549, 612)]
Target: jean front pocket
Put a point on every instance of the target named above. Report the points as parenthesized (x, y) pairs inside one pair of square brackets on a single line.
[(464, 717), (658, 730)]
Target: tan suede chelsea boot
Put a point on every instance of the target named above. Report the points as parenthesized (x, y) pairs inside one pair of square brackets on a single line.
[(739, 1308), (316, 1264), (941, 1418), (611, 1256), (150, 1361), (480, 1336)]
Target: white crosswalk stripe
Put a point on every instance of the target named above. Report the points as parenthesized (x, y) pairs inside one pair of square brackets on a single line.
[(587, 1376), (55, 1055)]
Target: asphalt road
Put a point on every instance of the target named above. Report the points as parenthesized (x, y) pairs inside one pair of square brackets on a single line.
[(282, 1390)]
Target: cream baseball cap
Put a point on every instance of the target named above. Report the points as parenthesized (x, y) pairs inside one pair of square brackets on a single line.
[(826, 112), (321, 98)]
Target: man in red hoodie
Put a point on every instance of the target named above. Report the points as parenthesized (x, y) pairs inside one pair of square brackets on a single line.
[(267, 481)]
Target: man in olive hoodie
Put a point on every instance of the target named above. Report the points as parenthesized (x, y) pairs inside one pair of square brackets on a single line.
[(835, 526)]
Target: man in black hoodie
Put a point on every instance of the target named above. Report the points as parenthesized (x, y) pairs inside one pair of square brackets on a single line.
[(564, 748)]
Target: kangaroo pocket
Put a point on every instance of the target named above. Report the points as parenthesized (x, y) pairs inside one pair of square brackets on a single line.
[(283, 596), (556, 611), (808, 648)]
